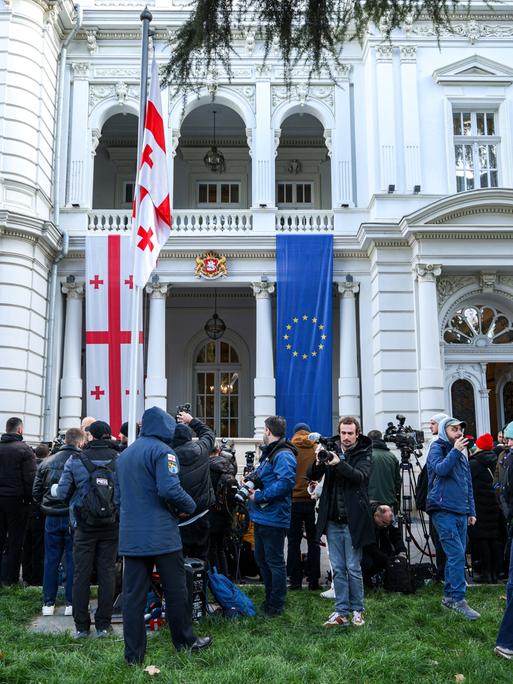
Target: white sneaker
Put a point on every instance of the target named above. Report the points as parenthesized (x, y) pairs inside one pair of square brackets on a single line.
[(357, 618), (336, 620), (48, 610), (328, 594), (68, 611)]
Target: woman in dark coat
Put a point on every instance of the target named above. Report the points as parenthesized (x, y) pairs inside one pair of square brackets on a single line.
[(485, 535)]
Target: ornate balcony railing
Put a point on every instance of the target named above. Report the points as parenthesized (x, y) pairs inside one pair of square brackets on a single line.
[(205, 221), (111, 220), (304, 221)]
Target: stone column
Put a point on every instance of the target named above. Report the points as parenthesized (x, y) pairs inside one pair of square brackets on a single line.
[(81, 142), (386, 117), (262, 156), (265, 384), (70, 407), (338, 142), (431, 381), (483, 403), (411, 122), (156, 381), (349, 380)]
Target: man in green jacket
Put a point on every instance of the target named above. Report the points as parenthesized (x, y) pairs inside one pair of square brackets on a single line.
[(385, 477)]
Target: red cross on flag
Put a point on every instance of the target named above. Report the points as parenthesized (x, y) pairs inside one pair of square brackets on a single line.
[(108, 313), (152, 210)]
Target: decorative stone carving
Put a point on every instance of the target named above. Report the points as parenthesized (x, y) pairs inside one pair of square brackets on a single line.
[(249, 137), (125, 73), (277, 134), (175, 139), (385, 24), (427, 272), (97, 93), (51, 15), (275, 46), (157, 290), (328, 140), (506, 280), (96, 134), (262, 290), (487, 281), (263, 71), (211, 82), (408, 53), (73, 290), (348, 288), (248, 92), (250, 41), (384, 52), (447, 285), (121, 90), (80, 71), (303, 93), (408, 23), (343, 71), (472, 30), (92, 45)]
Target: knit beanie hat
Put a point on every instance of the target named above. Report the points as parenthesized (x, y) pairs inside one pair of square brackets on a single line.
[(100, 430), (301, 426), (438, 417), (485, 442), (183, 433)]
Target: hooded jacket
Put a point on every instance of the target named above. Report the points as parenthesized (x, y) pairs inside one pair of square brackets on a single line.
[(74, 482), (449, 480), (48, 474), (194, 459), (488, 525), (17, 467), (352, 477), (277, 470), (147, 484), (305, 450)]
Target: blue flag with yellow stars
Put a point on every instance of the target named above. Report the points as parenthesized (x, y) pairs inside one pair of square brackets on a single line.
[(304, 330)]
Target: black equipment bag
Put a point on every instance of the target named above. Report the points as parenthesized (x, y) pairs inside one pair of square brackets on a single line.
[(97, 508), (196, 581), (421, 491), (398, 577)]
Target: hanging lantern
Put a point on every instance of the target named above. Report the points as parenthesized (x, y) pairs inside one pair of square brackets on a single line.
[(214, 159), (215, 327)]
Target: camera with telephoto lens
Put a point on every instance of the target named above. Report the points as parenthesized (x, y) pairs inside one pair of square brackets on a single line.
[(250, 462), (186, 408), (329, 444), (403, 436), (250, 481)]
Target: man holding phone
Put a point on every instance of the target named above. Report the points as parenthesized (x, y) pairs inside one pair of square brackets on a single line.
[(450, 502)]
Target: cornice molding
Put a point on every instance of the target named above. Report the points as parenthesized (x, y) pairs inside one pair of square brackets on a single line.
[(31, 229)]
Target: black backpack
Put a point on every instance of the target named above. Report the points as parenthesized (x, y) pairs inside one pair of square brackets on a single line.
[(226, 489), (421, 491), (398, 577), (98, 509)]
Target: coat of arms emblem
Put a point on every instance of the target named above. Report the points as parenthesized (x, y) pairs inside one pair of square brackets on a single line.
[(210, 266)]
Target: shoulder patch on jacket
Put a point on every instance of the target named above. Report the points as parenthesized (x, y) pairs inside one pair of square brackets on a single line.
[(172, 464)]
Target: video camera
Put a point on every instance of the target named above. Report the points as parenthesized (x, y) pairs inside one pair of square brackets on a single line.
[(329, 444), (406, 439), (186, 408), (57, 444)]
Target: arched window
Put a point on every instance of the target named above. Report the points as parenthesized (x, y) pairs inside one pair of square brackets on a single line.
[(507, 397), (217, 387), (463, 404), (478, 325)]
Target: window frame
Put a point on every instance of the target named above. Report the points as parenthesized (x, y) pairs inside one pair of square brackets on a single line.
[(218, 204), (475, 141), (295, 204)]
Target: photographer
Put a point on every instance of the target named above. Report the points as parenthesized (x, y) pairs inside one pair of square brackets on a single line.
[(270, 509), (388, 544), (222, 473), (195, 479), (344, 516)]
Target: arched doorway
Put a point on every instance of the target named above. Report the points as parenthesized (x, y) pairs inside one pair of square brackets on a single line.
[(217, 389), (463, 404)]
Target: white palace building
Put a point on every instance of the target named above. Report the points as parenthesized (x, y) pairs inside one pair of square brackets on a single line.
[(407, 160)]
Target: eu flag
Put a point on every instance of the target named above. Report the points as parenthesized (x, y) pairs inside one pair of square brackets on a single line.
[(304, 330)]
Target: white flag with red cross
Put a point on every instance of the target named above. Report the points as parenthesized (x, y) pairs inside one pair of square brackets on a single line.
[(152, 209), (108, 289)]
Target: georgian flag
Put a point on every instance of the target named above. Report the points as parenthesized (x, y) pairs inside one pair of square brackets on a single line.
[(151, 211), (108, 297)]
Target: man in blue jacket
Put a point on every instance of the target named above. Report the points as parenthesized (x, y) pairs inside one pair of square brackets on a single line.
[(270, 509), (150, 500), (450, 502)]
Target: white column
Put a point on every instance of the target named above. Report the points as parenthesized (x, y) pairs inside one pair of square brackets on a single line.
[(411, 122), (70, 408), (81, 141), (483, 404), (265, 384), (349, 380), (386, 117), (156, 381), (262, 156), (173, 145), (431, 382), (339, 142)]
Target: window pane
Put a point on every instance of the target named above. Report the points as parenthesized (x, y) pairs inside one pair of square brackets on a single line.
[(467, 123), (469, 167), (483, 156), (225, 352), (201, 355), (211, 352), (299, 193), (210, 380), (480, 123), (199, 407), (129, 193), (234, 428), (483, 179), (234, 382), (234, 357), (234, 407), (224, 406), (212, 193), (288, 193), (235, 193), (456, 123), (490, 124), (492, 157), (201, 383), (224, 429), (494, 179), (202, 195), (225, 193), (209, 406), (281, 193), (308, 193)]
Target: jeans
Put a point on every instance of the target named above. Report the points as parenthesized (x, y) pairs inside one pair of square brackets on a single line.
[(347, 573), (136, 584), (13, 521), (509, 585), (303, 512), (58, 540), (270, 557), (452, 530)]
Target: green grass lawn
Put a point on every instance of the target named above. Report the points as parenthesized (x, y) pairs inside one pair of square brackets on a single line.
[(405, 639)]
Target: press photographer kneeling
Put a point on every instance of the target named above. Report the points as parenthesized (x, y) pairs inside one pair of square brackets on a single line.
[(344, 515), (388, 545)]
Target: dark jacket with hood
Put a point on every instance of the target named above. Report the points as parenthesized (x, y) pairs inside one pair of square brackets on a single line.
[(17, 467), (194, 459), (48, 474), (277, 470), (482, 468), (147, 483), (385, 477), (305, 450), (449, 480), (74, 482), (348, 479)]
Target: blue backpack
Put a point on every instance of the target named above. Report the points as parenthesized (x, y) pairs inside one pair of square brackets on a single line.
[(234, 602)]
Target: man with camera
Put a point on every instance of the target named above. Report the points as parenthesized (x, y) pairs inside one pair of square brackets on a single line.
[(387, 546), (270, 506), (344, 515), (450, 502)]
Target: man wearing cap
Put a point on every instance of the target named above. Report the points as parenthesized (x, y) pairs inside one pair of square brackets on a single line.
[(440, 558), (94, 545), (303, 514), (450, 502)]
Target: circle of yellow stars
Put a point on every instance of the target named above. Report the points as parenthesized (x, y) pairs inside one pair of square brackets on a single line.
[(288, 334)]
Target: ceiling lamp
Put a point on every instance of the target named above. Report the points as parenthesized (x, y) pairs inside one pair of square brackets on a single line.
[(214, 159), (215, 326)]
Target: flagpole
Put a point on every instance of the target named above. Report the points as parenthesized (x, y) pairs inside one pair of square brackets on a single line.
[(146, 17)]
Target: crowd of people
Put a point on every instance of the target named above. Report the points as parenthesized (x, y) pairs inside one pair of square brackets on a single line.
[(70, 516)]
